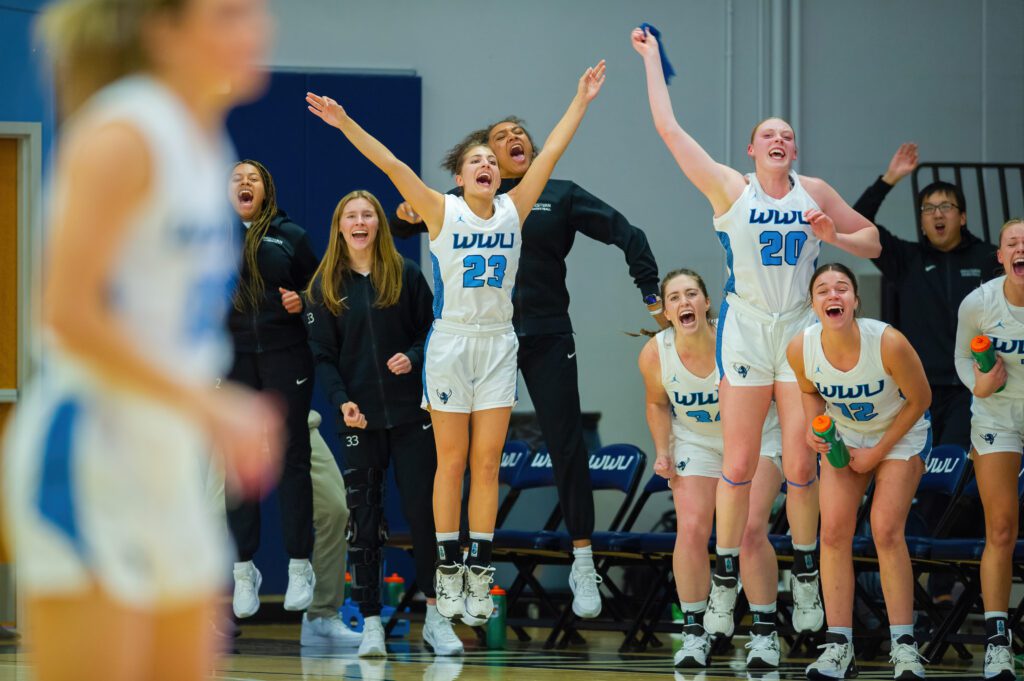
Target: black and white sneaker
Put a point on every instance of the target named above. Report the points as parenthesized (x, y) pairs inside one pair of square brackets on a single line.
[(835, 662)]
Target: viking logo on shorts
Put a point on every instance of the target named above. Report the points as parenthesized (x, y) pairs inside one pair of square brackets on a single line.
[(682, 465), (989, 438), (444, 397), (741, 369)]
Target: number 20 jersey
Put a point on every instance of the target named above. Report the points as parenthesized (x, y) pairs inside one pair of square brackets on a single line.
[(770, 249), (475, 263)]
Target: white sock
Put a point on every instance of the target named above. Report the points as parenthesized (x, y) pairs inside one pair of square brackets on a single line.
[(298, 563), (432, 614), (583, 556)]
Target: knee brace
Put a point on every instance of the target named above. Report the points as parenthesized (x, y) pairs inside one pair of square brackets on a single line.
[(367, 531)]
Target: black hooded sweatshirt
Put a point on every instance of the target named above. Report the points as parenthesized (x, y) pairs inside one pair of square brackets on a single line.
[(930, 286), (285, 260)]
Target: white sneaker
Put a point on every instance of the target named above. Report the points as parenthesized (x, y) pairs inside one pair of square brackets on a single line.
[(327, 631), (808, 613), (906, 659), (301, 580), (718, 619), (471, 621), (836, 662), (694, 653), (438, 635), (999, 662), (372, 644), (478, 591), (443, 669), (450, 587), (586, 596), (764, 651), (246, 600)]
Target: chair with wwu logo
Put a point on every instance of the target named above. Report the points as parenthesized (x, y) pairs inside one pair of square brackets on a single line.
[(613, 468)]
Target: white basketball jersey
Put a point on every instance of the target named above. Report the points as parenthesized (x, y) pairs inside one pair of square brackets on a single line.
[(694, 399), (174, 276), (1006, 329), (770, 249), (475, 263), (864, 399)]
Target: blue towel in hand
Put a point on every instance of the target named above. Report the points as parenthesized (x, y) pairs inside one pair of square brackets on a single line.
[(666, 67)]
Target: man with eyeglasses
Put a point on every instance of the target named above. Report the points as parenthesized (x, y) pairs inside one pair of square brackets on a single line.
[(932, 275)]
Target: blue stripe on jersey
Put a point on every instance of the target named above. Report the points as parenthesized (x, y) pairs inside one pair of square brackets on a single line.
[(423, 371), (926, 451), (722, 312), (438, 290), (56, 494), (730, 284)]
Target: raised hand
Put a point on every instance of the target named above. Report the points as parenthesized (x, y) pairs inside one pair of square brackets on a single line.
[(326, 109), (902, 164), (591, 82), (643, 42), (822, 225), (290, 300)]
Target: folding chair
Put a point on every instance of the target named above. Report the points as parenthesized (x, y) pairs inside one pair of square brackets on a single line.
[(614, 467), (964, 556)]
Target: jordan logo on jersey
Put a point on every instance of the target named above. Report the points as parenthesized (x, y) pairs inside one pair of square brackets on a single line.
[(775, 217), (477, 240), (444, 397)]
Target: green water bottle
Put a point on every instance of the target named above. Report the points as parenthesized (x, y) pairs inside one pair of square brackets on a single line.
[(984, 355), (825, 428), (348, 586), (394, 589), (496, 622)]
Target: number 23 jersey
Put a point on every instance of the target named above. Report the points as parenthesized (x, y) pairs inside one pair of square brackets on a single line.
[(475, 263), (770, 249)]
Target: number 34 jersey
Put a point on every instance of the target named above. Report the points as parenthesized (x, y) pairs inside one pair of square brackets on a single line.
[(475, 263), (770, 249)]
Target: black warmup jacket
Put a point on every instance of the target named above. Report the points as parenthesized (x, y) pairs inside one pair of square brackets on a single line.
[(930, 285), (540, 298), (286, 260), (351, 350)]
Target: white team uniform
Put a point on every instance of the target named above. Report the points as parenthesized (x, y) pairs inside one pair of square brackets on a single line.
[(865, 400), (103, 485), (771, 254), (997, 421), (471, 349), (696, 423)]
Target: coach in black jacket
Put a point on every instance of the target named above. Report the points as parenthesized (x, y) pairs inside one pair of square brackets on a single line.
[(547, 351), (932, 276)]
